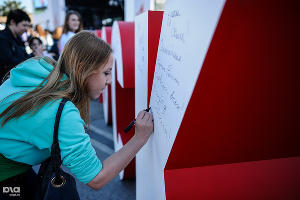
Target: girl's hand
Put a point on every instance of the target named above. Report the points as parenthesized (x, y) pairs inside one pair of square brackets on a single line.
[(144, 125)]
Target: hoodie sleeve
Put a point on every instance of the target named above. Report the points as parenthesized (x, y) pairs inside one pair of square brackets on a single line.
[(77, 153)]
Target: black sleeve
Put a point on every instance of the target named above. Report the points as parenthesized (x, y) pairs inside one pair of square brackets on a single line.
[(6, 53)]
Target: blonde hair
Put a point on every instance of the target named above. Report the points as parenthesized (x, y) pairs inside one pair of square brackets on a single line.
[(82, 55), (66, 27)]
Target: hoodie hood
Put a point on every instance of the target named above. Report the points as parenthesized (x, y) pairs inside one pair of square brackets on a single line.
[(30, 73)]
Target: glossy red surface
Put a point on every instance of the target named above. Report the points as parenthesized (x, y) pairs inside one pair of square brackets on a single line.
[(245, 105)]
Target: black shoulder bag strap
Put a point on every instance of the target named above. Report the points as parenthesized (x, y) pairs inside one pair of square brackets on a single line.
[(54, 182), (55, 150), (53, 163)]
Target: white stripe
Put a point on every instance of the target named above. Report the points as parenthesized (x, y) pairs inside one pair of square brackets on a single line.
[(102, 147), (105, 134)]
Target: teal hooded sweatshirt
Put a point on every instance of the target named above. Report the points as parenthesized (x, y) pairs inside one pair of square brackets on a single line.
[(28, 139)]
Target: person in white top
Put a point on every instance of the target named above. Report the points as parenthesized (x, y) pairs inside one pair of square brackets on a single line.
[(73, 24)]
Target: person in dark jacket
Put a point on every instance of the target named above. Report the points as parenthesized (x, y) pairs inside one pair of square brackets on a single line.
[(12, 48)]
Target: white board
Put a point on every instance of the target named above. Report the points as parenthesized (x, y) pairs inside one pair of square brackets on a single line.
[(141, 88), (141, 61), (186, 33)]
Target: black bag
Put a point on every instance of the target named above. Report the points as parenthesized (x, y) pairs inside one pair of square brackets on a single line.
[(54, 182)]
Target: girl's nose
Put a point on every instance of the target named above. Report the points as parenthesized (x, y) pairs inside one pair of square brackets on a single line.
[(108, 81)]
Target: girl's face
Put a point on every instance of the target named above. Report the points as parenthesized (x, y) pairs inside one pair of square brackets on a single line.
[(97, 82), (73, 22)]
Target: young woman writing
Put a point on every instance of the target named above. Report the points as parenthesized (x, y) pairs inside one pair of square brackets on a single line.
[(28, 104)]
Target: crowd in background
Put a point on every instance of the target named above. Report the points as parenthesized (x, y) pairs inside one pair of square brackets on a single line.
[(21, 40), (52, 43)]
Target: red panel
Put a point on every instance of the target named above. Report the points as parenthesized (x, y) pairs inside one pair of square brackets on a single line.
[(109, 106), (129, 171), (125, 96), (154, 28), (108, 40), (108, 34), (245, 105), (260, 180), (125, 114), (127, 40), (98, 33), (101, 98), (124, 111)]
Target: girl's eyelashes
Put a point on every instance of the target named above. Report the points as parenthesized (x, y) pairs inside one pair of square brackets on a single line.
[(106, 73)]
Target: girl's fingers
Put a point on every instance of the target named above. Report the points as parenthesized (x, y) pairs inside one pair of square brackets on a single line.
[(151, 118), (147, 116), (140, 115), (144, 114)]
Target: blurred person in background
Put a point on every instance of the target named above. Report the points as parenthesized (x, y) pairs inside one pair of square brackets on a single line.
[(37, 47), (12, 48), (30, 33), (45, 36), (49, 39), (73, 24), (54, 48)]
